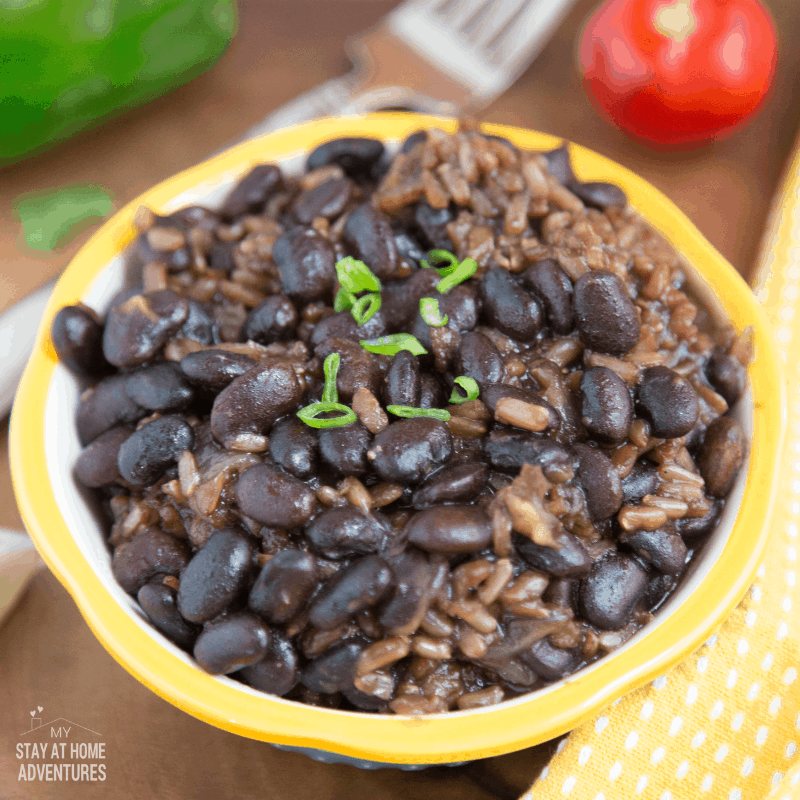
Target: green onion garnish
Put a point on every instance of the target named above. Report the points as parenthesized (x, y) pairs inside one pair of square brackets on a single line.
[(440, 256), (469, 385), (464, 271), (366, 307), (330, 367), (310, 415), (344, 299), (429, 308), (356, 276), (392, 345), (410, 411)]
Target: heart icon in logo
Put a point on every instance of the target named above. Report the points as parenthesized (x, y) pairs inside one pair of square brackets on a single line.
[(32, 713), (39, 707)]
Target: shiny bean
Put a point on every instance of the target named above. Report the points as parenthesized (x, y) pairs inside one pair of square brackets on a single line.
[(160, 387), (284, 586), (450, 530), (462, 482), (478, 358), (606, 407), (551, 662), (401, 298), (402, 383), (77, 335), (345, 449), (175, 259), (160, 603), (492, 394), (342, 326), (561, 592), (408, 248), (606, 317), (570, 560), (508, 308), (668, 401), (357, 367), (609, 594), (105, 406), (553, 287), (346, 531), (278, 672), (694, 527), (355, 155), (217, 575), (293, 445), (727, 375), (407, 450), (415, 579), (722, 455), (600, 482), (97, 464), (230, 643), (148, 553), (432, 224), (368, 233), (326, 200), (508, 450), (558, 164), (199, 325), (252, 191), (663, 548), (599, 194), (432, 393), (215, 369), (334, 670), (306, 263), (273, 498), (152, 449), (271, 321), (643, 479)]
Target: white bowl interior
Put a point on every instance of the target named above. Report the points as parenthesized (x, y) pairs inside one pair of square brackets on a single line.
[(88, 527)]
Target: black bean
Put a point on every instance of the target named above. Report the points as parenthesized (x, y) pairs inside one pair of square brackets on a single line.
[(432, 392), (355, 155), (199, 325), (221, 256), (432, 224), (105, 406), (551, 662), (152, 449), (174, 260), (160, 603), (359, 586), (727, 375), (357, 367), (369, 702), (509, 450), (334, 670), (278, 672), (77, 335), (478, 358), (606, 317), (606, 407), (97, 464), (507, 307), (252, 191), (253, 401), (326, 200), (401, 298), (272, 320), (368, 233), (160, 387), (407, 450), (408, 248), (658, 588), (462, 482), (643, 479), (561, 592), (553, 287), (273, 498), (346, 531), (284, 586), (215, 369), (345, 449), (293, 445), (570, 560), (136, 330), (413, 140), (148, 553), (402, 384), (491, 394), (559, 165), (415, 580), (192, 217), (600, 482), (609, 594), (342, 326), (460, 305), (306, 262), (663, 548), (694, 527), (217, 575), (668, 401), (231, 643), (450, 530), (599, 194), (722, 455)]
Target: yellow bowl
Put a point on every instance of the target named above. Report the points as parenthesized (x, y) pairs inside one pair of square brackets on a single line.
[(59, 516)]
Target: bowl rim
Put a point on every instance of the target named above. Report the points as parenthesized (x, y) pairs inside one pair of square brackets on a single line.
[(455, 736)]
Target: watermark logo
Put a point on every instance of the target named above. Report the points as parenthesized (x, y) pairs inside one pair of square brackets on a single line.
[(60, 750)]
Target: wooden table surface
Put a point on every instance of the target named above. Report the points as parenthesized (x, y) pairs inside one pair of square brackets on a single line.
[(48, 656)]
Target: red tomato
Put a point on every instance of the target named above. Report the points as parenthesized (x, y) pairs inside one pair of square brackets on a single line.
[(677, 72)]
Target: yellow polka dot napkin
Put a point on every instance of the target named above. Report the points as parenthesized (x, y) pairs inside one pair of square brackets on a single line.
[(725, 723)]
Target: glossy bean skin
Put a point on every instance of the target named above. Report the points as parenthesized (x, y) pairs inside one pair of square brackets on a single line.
[(345, 449), (148, 553), (152, 449), (432, 225), (273, 498), (342, 326), (609, 594), (346, 531), (160, 387), (561, 592), (284, 586), (450, 530), (432, 392), (668, 401), (571, 560), (600, 482), (231, 642), (401, 385), (294, 447), (278, 671), (461, 482), (97, 464), (559, 164), (272, 320), (368, 233), (326, 200), (174, 260), (722, 455), (217, 575), (359, 586), (252, 191), (215, 369), (199, 325), (77, 336), (508, 450), (407, 450), (663, 548), (507, 307), (306, 263), (606, 317), (553, 287), (599, 194), (726, 374), (478, 358), (550, 662), (106, 405), (415, 579), (334, 670), (160, 603), (606, 407), (136, 330), (408, 249), (401, 298), (253, 401), (643, 479), (492, 393), (357, 367), (355, 155), (692, 528)]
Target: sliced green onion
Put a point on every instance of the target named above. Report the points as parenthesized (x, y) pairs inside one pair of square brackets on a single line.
[(392, 345), (365, 308), (429, 308), (469, 385), (356, 276), (411, 411), (464, 271), (344, 299), (330, 367), (440, 256), (310, 415)]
